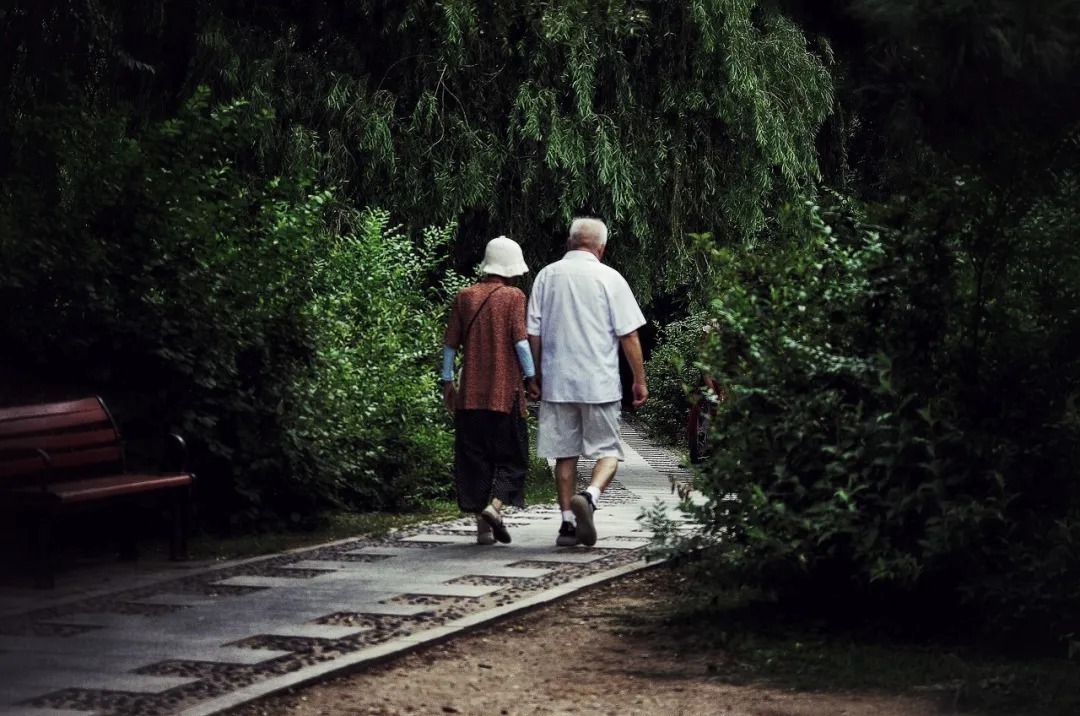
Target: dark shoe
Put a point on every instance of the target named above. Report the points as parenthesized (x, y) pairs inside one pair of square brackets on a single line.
[(567, 535), (494, 518), (583, 508), (483, 532)]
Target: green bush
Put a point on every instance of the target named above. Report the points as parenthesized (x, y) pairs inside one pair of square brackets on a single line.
[(372, 403), (673, 372), (289, 338), (862, 456)]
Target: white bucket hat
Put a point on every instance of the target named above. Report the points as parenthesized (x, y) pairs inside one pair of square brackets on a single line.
[(502, 257)]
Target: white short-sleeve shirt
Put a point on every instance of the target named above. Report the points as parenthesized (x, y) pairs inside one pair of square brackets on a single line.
[(580, 308)]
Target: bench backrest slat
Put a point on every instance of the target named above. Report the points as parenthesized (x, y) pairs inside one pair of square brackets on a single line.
[(26, 466), (81, 440), (20, 467), (79, 436), (85, 405), (49, 424)]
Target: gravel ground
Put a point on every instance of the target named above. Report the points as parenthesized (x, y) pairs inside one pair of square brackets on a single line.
[(578, 656)]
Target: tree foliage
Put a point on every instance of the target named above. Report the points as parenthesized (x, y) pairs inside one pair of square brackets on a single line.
[(902, 423), (516, 117)]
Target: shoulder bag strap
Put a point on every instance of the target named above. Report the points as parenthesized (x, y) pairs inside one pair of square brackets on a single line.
[(468, 329)]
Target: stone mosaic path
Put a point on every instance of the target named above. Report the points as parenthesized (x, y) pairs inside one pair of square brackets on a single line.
[(208, 641)]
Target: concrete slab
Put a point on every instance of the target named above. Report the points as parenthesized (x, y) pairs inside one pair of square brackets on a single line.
[(451, 590), (620, 543), (131, 683), (330, 565), (124, 654), (390, 610), (28, 711), (314, 564), (178, 600), (568, 557), (360, 570), (51, 680), (15, 693), (253, 580), (382, 550), (448, 539), (134, 622), (508, 571), (317, 631)]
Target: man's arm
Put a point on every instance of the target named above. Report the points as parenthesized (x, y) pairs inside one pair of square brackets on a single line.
[(631, 346), (536, 345)]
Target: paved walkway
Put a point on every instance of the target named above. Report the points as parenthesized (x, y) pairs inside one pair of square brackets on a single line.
[(213, 638)]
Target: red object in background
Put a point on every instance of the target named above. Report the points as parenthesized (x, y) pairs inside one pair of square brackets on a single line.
[(699, 423), (698, 427)]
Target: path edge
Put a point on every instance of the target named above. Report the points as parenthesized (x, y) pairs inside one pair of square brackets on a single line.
[(401, 646)]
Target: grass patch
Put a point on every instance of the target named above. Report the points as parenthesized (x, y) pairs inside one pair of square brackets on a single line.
[(748, 641), (540, 486), (539, 490), (336, 526)]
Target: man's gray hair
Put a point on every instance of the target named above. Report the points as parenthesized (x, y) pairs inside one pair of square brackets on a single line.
[(585, 231)]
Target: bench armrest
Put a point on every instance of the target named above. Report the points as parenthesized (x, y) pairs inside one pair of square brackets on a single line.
[(174, 454), (11, 454)]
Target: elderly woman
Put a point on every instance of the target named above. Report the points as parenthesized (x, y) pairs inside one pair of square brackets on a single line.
[(491, 442)]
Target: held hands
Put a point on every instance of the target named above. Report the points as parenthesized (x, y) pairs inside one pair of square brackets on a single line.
[(449, 393), (532, 388), (641, 394)]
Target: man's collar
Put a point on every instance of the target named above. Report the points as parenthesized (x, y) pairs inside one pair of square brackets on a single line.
[(581, 255)]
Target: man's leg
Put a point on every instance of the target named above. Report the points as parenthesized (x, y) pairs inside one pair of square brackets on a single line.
[(559, 438), (600, 439), (566, 480), (604, 472), (566, 483), (584, 504)]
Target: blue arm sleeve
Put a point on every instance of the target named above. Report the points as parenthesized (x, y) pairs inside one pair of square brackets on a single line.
[(525, 358), (448, 354)]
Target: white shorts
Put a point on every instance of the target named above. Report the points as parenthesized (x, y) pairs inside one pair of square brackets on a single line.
[(583, 430)]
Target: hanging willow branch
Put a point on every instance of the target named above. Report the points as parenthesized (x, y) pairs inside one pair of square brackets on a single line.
[(663, 119)]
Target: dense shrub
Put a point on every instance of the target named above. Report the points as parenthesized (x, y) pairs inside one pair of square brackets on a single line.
[(673, 373), (865, 449), (376, 412), (289, 338)]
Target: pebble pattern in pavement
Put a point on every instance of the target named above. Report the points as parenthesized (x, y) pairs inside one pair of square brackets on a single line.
[(163, 647)]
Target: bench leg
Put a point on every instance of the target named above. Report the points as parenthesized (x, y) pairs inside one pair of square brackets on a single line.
[(181, 519), (41, 549), (127, 543)]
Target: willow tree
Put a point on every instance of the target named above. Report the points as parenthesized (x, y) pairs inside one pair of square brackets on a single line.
[(666, 119)]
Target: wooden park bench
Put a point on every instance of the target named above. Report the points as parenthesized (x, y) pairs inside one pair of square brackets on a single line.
[(57, 456)]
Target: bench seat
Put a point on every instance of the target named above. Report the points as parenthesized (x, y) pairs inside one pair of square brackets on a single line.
[(54, 455), (100, 488)]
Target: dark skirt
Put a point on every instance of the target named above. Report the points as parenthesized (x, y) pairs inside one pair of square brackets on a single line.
[(491, 458)]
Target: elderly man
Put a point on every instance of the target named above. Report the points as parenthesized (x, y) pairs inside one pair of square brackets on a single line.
[(580, 311)]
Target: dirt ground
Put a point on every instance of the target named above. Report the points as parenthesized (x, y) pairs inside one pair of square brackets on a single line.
[(584, 655)]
